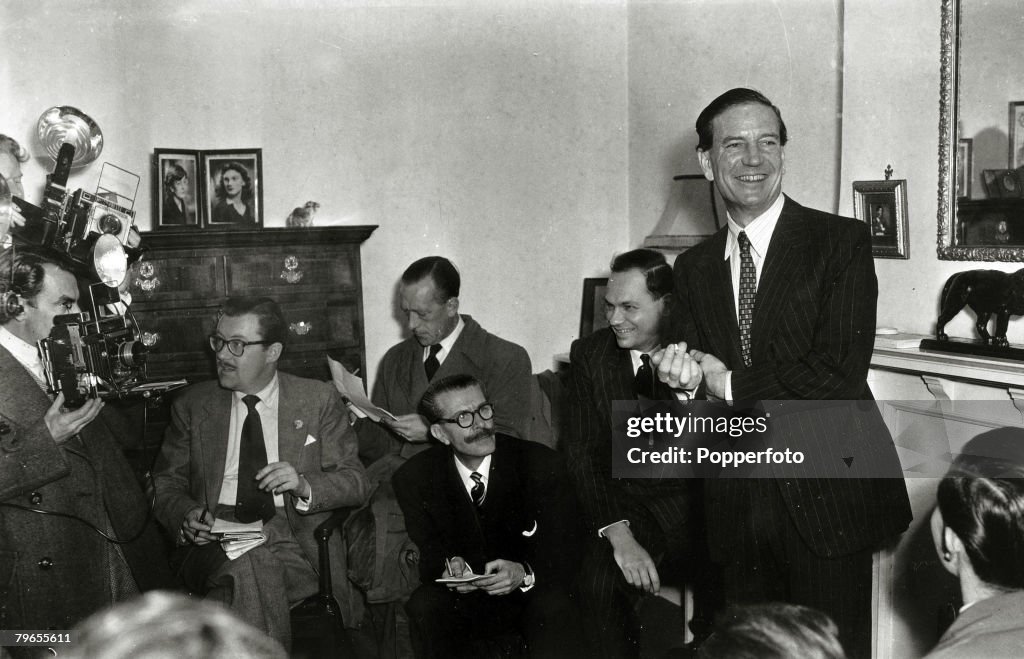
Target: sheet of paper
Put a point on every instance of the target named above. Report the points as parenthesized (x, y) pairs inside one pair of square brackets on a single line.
[(224, 526), (352, 391), (465, 578)]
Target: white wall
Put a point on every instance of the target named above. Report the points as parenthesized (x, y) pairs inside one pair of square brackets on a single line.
[(493, 133)]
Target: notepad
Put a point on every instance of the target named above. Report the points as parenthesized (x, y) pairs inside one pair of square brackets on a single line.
[(467, 577), (237, 538)]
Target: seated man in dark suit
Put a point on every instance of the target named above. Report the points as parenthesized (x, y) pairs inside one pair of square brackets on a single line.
[(632, 523), (257, 444), (494, 505), (443, 343)]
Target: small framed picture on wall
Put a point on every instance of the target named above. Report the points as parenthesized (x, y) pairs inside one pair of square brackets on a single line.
[(233, 188), (1016, 130), (176, 194), (882, 205)]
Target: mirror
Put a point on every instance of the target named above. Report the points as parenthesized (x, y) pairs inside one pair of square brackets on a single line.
[(981, 132)]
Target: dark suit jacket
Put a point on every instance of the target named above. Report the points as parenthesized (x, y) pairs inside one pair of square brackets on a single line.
[(503, 367), (528, 489), (601, 373), (812, 338), (313, 436), (86, 476), (991, 629)]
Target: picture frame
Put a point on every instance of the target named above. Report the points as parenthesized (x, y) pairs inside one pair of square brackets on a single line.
[(964, 167), (1015, 129), (882, 205), (592, 310), (177, 190), (239, 204)]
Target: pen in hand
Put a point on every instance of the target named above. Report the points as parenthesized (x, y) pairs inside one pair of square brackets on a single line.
[(448, 565)]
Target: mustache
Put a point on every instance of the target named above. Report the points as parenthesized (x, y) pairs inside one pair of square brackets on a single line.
[(477, 436)]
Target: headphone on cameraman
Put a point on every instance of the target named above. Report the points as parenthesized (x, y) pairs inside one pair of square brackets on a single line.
[(10, 306)]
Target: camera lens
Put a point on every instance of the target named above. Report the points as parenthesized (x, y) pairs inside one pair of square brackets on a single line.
[(131, 353), (110, 224)]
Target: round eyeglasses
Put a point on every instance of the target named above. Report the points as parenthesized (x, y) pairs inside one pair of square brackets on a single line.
[(235, 346), (465, 419)]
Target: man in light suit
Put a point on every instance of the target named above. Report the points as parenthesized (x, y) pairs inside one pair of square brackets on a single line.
[(56, 570), (484, 502), (257, 445), (780, 306), (632, 523), (443, 343)]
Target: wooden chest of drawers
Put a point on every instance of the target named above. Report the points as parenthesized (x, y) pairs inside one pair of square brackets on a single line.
[(314, 274)]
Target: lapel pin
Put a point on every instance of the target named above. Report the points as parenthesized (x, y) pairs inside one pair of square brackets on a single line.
[(298, 424)]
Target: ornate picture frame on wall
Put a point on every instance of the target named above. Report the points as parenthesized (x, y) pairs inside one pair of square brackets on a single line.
[(233, 188), (964, 167), (1015, 128), (176, 190), (592, 310), (882, 205)]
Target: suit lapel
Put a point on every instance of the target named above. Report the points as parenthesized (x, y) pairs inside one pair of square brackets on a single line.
[(712, 293), (781, 268), (213, 442), (290, 439)]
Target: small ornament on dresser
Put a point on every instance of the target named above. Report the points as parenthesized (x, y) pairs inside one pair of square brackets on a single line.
[(303, 215)]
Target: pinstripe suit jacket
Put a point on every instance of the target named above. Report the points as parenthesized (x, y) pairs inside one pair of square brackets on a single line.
[(812, 337), (601, 372)]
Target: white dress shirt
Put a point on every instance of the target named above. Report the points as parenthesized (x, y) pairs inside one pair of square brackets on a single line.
[(464, 472), (759, 232)]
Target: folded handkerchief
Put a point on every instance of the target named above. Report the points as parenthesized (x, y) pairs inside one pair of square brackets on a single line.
[(309, 440)]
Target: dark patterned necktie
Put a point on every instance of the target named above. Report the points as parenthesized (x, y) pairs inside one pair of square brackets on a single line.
[(479, 492), (252, 503), (645, 378), (748, 290), (430, 364)]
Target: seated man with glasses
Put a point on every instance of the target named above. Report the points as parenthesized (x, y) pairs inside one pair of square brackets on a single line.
[(257, 445), (495, 517)]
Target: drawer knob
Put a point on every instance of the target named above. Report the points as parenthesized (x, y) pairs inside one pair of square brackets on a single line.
[(147, 280), (301, 328), (291, 272)]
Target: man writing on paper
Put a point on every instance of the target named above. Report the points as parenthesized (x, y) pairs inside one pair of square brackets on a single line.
[(495, 505), (263, 445)]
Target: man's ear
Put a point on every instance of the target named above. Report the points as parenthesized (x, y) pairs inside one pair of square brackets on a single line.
[(705, 164), (452, 306), (954, 547), (435, 431), (274, 351)]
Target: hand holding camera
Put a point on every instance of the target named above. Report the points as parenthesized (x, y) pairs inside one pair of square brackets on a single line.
[(64, 424)]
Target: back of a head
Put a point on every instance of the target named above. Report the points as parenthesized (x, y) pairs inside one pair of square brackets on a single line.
[(981, 499), (161, 625), (10, 146), (22, 273), (440, 270), (773, 631)]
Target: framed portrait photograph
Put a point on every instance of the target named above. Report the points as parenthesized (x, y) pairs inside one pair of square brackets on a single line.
[(233, 188), (882, 205), (592, 314), (964, 167), (1016, 132), (176, 191)]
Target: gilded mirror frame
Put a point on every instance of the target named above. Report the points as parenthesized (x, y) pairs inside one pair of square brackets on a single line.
[(948, 250)]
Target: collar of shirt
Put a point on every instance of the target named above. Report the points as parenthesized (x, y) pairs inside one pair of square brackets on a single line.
[(484, 470), (634, 356), (759, 231), (26, 354), (267, 395), (446, 343)]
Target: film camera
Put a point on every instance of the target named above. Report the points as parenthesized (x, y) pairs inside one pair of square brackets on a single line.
[(98, 352)]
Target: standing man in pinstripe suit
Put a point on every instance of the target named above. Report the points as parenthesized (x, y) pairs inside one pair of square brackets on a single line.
[(632, 523), (780, 305)]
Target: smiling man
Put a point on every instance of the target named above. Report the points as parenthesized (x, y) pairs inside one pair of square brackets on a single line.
[(487, 503), (632, 523), (257, 445), (781, 305)]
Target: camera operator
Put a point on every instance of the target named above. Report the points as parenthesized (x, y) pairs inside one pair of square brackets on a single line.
[(65, 486)]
